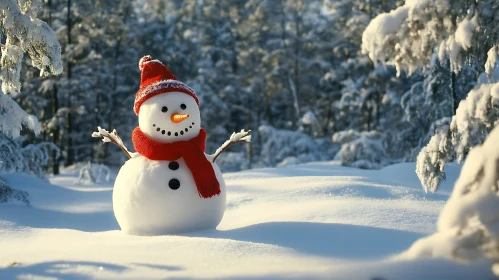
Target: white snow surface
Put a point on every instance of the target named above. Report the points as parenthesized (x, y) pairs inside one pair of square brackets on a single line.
[(315, 220)]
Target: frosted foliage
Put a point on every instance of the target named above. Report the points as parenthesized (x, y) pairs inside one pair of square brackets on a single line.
[(464, 32), (37, 157), (429, 100), (24, 33), (407, 36), (475, 117), (280, 145), (382, 32), (431, 161), (31, 159), (93, 173), (468, 227), (12, 118), (7, 194), (11, 159), (309, 118), (361, 149), (11, 68), (232, 161), (21, 28), (490, 65)]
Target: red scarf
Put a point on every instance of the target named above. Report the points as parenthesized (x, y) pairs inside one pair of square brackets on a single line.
[(191, 150)]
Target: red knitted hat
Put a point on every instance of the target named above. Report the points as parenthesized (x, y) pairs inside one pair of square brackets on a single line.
[(157, 79)]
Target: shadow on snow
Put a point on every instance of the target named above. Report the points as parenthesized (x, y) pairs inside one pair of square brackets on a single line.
[(323, 239)]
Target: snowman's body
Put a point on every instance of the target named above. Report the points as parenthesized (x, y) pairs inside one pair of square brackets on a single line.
[(145, 204), (155, 197)]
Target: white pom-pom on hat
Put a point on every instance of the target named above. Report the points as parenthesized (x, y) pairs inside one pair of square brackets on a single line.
[(143, 60)]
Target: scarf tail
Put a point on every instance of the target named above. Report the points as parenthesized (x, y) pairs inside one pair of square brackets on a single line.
[(204, 175)]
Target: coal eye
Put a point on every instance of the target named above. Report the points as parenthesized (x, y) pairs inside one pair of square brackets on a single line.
[(182, 106), (164, 109)]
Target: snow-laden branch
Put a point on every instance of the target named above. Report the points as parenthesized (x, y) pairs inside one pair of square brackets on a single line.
[(112, 137), (239, 137), (475, 117), (23, 33), (468, 226)]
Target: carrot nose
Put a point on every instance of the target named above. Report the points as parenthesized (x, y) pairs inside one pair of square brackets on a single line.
[(177, 118)]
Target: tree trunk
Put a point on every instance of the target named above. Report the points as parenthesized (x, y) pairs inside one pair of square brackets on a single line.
[(69, 143), (369, 111), (55, 107), (69, 121), (452, 86), (455, 103), (117, 54), (378, 106), (55, 133), (297, 64), (329, 115), (283, 27), (49, 5), (249, 149)]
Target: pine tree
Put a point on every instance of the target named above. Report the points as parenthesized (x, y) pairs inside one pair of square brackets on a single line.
[(23, 33), (461, 32)]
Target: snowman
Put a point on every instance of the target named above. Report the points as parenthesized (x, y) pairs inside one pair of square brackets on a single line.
[(169, 185)]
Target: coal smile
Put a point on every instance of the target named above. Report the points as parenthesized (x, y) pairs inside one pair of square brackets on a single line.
[(169, 133)]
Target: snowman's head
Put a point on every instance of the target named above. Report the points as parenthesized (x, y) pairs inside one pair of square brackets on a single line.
[(170, 117)]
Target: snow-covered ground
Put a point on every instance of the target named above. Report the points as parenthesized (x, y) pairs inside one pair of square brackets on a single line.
[(314, 220)]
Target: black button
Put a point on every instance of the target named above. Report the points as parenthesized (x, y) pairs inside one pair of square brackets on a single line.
[(174, 184), (173, 165)]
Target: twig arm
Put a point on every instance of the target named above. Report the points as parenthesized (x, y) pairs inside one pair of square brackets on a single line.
[(235, 138), (111, 137)]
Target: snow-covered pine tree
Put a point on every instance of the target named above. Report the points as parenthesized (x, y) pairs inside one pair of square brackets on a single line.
[(364, 150), (217, 78), (103, 58), (365, 98), (463, 32), (23, 33), (285, 147), (429, 104), (285, 51), (468, 227), (99, 88)]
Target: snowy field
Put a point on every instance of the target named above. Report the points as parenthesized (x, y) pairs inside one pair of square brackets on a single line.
[(315, 220)]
